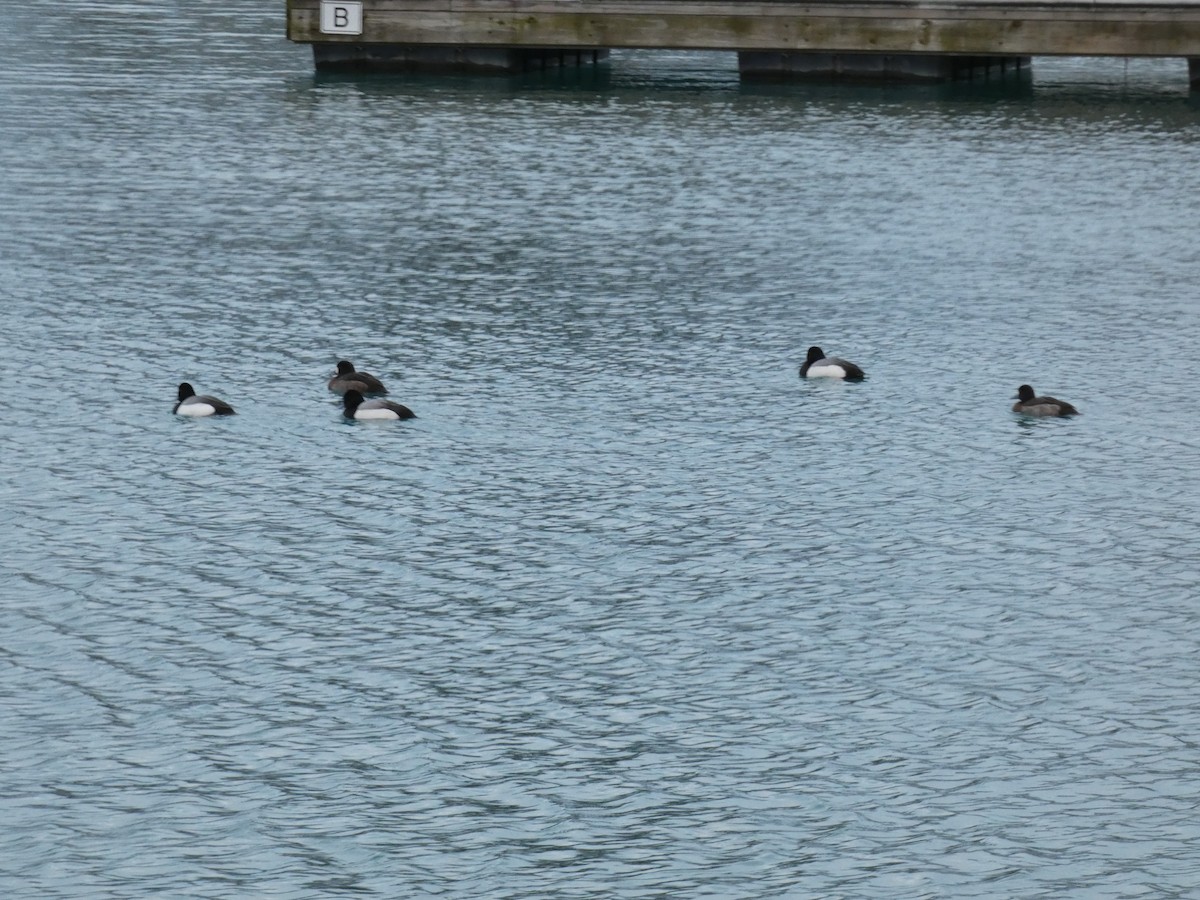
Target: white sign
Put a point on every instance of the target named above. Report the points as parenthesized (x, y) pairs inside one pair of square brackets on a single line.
[(341, 17)]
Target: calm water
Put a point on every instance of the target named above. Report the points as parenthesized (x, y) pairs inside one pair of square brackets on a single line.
[(629, 610)]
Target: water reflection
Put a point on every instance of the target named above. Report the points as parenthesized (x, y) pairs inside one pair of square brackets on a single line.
[(1068, 90)]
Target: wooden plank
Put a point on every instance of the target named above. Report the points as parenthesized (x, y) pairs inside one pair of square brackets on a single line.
[(1167, 10), (968, 28), (729, 7)]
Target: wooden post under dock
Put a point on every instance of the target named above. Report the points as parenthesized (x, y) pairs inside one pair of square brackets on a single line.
[(915, 40)]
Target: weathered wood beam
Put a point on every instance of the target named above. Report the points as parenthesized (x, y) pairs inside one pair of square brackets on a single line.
[(989, 27)]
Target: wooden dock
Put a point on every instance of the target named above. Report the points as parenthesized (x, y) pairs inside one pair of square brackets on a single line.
[(770, 37)]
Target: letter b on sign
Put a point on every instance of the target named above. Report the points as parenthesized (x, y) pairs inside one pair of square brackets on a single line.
[(341, 17)]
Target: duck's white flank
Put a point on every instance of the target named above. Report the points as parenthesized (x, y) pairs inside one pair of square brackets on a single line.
[(826, 371), (367, 412), (196, 408)]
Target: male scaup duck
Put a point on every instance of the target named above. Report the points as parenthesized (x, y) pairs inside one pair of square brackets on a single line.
[(192, 405), (1030, 405), (818, 365), (355, 407), (349, 379)]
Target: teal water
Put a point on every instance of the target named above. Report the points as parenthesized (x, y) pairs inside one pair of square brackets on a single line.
[(628, 610)]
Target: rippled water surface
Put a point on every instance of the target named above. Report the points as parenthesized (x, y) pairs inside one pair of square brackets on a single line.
[(629, 610)]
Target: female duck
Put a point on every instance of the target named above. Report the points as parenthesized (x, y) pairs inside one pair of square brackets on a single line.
[(818, 365), (347, 379), (355, 407), (1028, 404), (190, 404)]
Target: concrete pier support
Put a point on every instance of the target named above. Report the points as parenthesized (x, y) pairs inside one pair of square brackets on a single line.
[(793, 66), (345, 57), (1194, 72)]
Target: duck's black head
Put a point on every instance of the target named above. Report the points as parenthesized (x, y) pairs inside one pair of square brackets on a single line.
[(345, 367), (1025, 393), (186, 390), (815, 353), (350, 401)]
